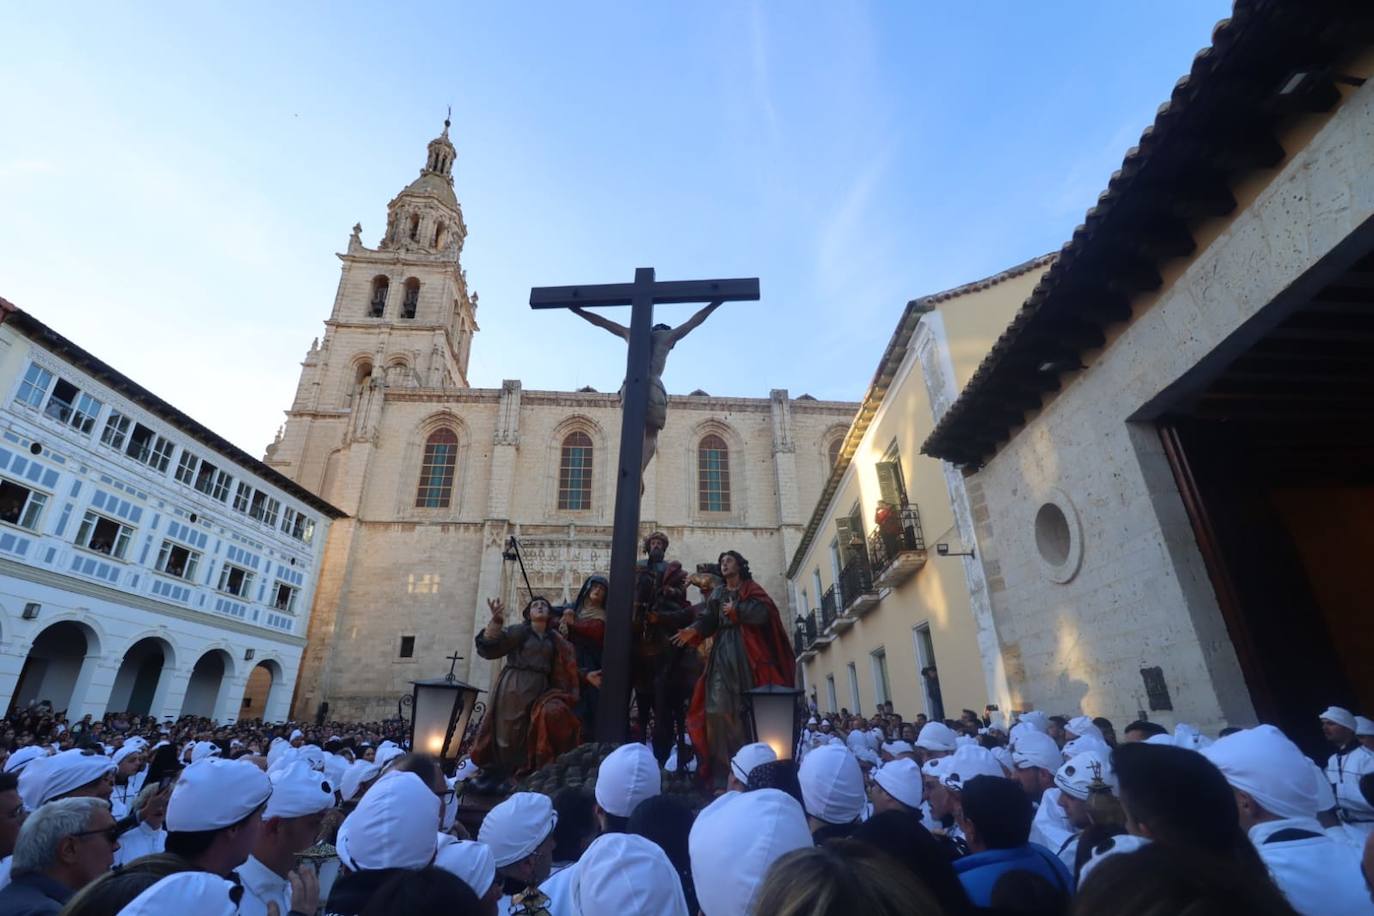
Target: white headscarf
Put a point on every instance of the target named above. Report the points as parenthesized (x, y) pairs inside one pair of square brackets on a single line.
[(1264, 764), (735, 841), (621, 873)]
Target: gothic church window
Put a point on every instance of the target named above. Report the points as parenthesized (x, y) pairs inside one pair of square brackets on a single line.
[(833, 451), (415, 227), (412, 298), (377, 304), (713, 474), (436, 472), (438, 233), (575, 472)]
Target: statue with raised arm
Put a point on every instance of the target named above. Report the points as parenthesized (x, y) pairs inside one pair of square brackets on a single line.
[(663, 338)]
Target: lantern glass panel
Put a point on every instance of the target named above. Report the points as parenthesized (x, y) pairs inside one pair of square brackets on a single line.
[(775, 719), (433, 709)]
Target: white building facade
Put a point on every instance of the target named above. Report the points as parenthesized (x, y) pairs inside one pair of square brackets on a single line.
[(146, 564)]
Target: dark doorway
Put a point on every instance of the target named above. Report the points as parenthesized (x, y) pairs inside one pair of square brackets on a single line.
[(1274, 458)]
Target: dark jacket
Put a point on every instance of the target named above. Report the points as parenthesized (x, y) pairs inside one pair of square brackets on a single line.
[(351, 893), (33, 894)]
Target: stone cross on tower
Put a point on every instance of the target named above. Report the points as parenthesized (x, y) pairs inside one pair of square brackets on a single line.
[(642, 373)]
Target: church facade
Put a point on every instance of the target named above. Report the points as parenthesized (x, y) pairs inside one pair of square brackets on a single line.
[(436, 475)]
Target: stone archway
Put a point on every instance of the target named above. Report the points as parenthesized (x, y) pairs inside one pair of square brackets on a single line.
[(140, 681), (53, 671), (264, 682), (207, 683)]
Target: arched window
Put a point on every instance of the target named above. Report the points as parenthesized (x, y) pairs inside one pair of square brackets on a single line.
[(412, 298), (436, 473), (713, 474), (414, 227), (833, 451), (438, 233), (378, 302), (575, 472)]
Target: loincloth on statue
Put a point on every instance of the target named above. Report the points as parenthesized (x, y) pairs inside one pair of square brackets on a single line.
[(658, 404)]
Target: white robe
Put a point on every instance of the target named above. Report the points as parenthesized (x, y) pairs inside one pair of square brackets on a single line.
[(261, 885), (559, 889), (1343, 771), (1051, 827), (139, 841), (1320, 876)]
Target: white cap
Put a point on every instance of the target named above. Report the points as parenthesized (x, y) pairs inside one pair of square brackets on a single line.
[(202, 749), (1075, 777), (358, 772), (1364, 727), (937, 736), (966, 741), (894, 748), (516, 827), (621, 873), (832, 785), (185, 892), (470, 860), (46, 778), (902, 780), (276, 751), (125, 752), (388, 751), (1264, 764), (748, 757), (214, 793), (627, 776), (1082, 726), (1339, 715), (1087, 744), (1003, 757), (735, 841), (1187, 736), (298, 791), (296, 733), (25, 756), (1035, 719), (394, 826), (966, 763), (1111, 846), (1036, 749)]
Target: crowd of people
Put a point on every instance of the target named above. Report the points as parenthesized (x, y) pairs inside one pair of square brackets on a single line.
[(1045, 814)]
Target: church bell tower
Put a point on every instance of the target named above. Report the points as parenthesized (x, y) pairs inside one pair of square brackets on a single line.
[(403, 318)]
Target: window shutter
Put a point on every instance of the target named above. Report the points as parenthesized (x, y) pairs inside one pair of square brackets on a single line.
[(845, 529), (890, 486)]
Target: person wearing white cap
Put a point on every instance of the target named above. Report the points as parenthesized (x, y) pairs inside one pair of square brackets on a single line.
[(1364, 732), (297, 737), (1277, 806), (745, 759), (215, 813), (1037, 758), (520, 834), (1082, 726), (395, 826), (357, 778), (1344, 769), (897, 786), (734, 842), (290, 823), (1087, 744), (186, 892), (627, 776), (936, 740), (832, 786), (26, 755), (1035, 719), (202, 749), (70, 774), (128, 761), (628, 876), (147, 836), (1082, 777), (892, 750), (474, 864)]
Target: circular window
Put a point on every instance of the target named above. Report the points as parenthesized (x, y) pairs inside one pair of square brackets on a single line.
[(1058, 538), (193, 518), (36, 448)]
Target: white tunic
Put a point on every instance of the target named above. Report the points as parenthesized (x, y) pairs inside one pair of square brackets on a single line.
[(139, 841), (558, 887), (260, 885), (1320, 876), (1343, 771), (1051, 827)]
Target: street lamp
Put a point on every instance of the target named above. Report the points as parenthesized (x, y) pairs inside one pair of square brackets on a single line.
[(774, 718), (441, 709)]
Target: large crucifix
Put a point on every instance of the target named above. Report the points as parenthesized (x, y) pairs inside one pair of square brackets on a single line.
[(643, 374)]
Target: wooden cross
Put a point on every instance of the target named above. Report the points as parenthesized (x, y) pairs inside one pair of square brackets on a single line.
[(641, 296)]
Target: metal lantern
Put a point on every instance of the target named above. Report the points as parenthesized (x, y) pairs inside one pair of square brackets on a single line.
[(439, 714), (774, 718)]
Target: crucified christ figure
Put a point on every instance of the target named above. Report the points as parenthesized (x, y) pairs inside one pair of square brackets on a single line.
[(664, 339)]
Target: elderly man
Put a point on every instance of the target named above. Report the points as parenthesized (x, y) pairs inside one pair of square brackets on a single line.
[(62, 847), (520, 834), (1344, 769)]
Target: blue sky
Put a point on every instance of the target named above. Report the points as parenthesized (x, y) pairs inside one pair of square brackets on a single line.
[(175, 178)]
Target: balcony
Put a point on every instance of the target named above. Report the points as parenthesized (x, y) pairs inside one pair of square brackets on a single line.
[(897, 547), (804, 636), (858, 596), (840, 621), (825, 632)]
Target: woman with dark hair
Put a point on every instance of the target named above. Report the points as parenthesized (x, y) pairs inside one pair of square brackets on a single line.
[(903, 836), (667, 822), (750, 649), (1177, 797), (1161, 878), (584, 624), (431, 891), (531, 719)]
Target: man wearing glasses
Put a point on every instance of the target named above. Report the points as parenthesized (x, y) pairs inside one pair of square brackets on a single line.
[(62, 847)]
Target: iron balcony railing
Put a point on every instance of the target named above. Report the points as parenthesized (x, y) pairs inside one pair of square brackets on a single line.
[(897, 534), (855, 579), (804, 632), (828, 611)]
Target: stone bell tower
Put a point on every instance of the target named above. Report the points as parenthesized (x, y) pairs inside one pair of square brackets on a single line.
[(403, 318)]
